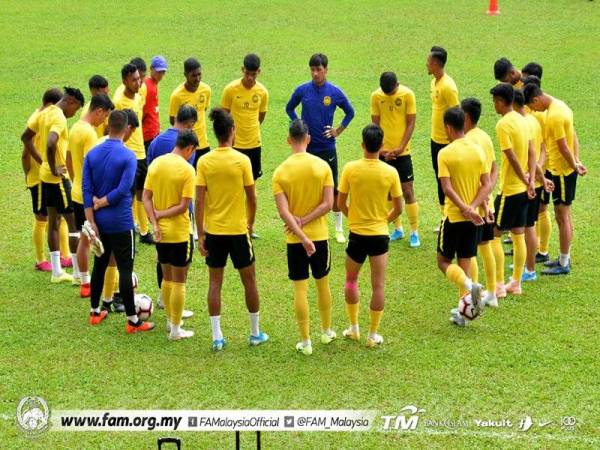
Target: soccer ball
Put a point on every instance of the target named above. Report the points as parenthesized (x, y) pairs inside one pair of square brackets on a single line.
[(143, 306), (468, 309)]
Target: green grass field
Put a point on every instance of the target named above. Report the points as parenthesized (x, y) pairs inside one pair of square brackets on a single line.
[(536, 355)]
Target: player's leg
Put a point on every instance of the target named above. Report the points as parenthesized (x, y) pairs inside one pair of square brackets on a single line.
[(320, 265), (378, 265), (83, 251), (40, 224), (215, 284), (564, 194), (180, 260), (544, 223), (351, 292), (531, 236), (435, 149), (298, 263), (410, 202), (97, 281), (108, 290), (496, 244)]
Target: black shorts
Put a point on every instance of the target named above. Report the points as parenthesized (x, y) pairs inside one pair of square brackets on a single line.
[(254, 155), (58, 195), (140, 174), (299, 261), (487, 232), (511, 211), (38, 205), (330, 157), (545, 197), (200, 152), (533, 207), (178, 254), (435, 149), (403, 166), (79, 213), (360, 246), (147, 144), (238, 246), (458, 239), (564, 188)]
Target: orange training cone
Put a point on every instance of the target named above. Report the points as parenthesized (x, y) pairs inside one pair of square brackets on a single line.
[(493, 9)]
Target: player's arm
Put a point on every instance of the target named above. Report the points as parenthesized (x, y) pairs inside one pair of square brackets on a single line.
[(346, 106), (575, 145), (199, 216), (342, 202), (483, 193), (88, 195), (396, 209), (27, 139), (261, 116), (25, 161), (411, 120), (150, 212), (51, 154), (123, 188), (290, 221), (174, 210), (322, 208), (250, 206), (70, 165), (565, 152), (264, 105), (466, 210), (294, 101)]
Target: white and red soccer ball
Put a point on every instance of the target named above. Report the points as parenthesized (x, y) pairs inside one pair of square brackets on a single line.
[(143, 306), (468, 309)]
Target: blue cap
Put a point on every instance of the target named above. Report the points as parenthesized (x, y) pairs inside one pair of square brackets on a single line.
[(159, 63)]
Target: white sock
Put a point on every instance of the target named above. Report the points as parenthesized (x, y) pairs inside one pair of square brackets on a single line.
[(306, 342), (133, 319), (543, 254), (107, 300), (354, 328), (337, 215), (95, 310), (175, 329), (215, 324), (75, 267), (327, 331), (55, 261), (85, 277), (468, 284), (564, 259), (254, 328)]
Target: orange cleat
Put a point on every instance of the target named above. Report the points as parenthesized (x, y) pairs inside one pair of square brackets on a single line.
[(85, 290), (96, 318), (143, 326), (514, 288)]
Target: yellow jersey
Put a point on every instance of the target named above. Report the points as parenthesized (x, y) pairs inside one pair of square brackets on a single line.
[(199, 100), (369, 184), (51, 120), (393, 110), (225, 172), (463, 161), (559, 125), (444, 95), (535, 134), (82, 137), (33, 175), (143, 92), (484, 141), (245, 106), (136, 142), (513, 133), (302, 178), (171, 179), (100, 129)]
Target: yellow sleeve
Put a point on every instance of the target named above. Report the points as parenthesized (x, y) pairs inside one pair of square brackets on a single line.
[(188, 186), (33, 123), (247, 172), (411, 103), (174, 103), (451, 96), (276, 186), (57, 124), (396, 189), (343, 186), (503, 137), (200, 178), (328, 176), (557, 128), (482, 159), (264, 104), (375, 111), (443, 171), (226, 98), (90, 141)]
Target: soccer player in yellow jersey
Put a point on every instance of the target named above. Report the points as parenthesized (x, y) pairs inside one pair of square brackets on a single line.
[(225, 212), (541, 184), (444, 95), (303, 190), (472, 109), (505, 72), (196, 93), (516, 186), (31, 169), (465, 179), (130, 98), (82, 137), (393, 108), (365, 188), (168, 192), (248, 101), (565, 166), (98, 85), (140, 65), (51, 124)]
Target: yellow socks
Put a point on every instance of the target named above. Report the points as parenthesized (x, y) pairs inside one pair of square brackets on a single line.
[(63, 234), (489, 266), (456, 275), (166, 292), (39, 239), (177, 300), (141, 217), (519, 256), (544, 230), (474, 270), (498, 252), (352, 311), (375, 320), (301, 308), (134, 211), (412, 211), (324, 302), (109, 282)]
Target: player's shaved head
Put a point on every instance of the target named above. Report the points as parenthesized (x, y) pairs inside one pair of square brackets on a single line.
[(186, 138), (388, 82), (298, 130), (455, 118), (117, 122), (372, 136), (52, 96), (471, 107)]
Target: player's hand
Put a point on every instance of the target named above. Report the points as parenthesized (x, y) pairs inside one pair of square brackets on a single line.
[(202, 245), (531, 191), (385, 155), (489, 216), (157, 235), (157, 214), (473, 216), (309, 246), (59, 171), (95, 228), (581, 169), (96, 201), (548, 185), (250, 228), (330, 132)]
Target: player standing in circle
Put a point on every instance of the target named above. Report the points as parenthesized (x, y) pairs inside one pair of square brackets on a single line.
[(225, 212), (150, 115), (320, 99)]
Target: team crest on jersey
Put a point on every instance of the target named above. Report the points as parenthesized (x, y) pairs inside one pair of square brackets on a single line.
[(201, 99), (398, 102), (327, 100), (255, 98)]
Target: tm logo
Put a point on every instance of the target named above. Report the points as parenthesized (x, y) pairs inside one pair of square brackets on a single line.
[(403, 422)]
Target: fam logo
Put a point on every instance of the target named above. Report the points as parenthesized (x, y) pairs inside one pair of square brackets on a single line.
[(201, 99), (255, 98), (327, 100), (398, 102), (407, 420), (33, 415)]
